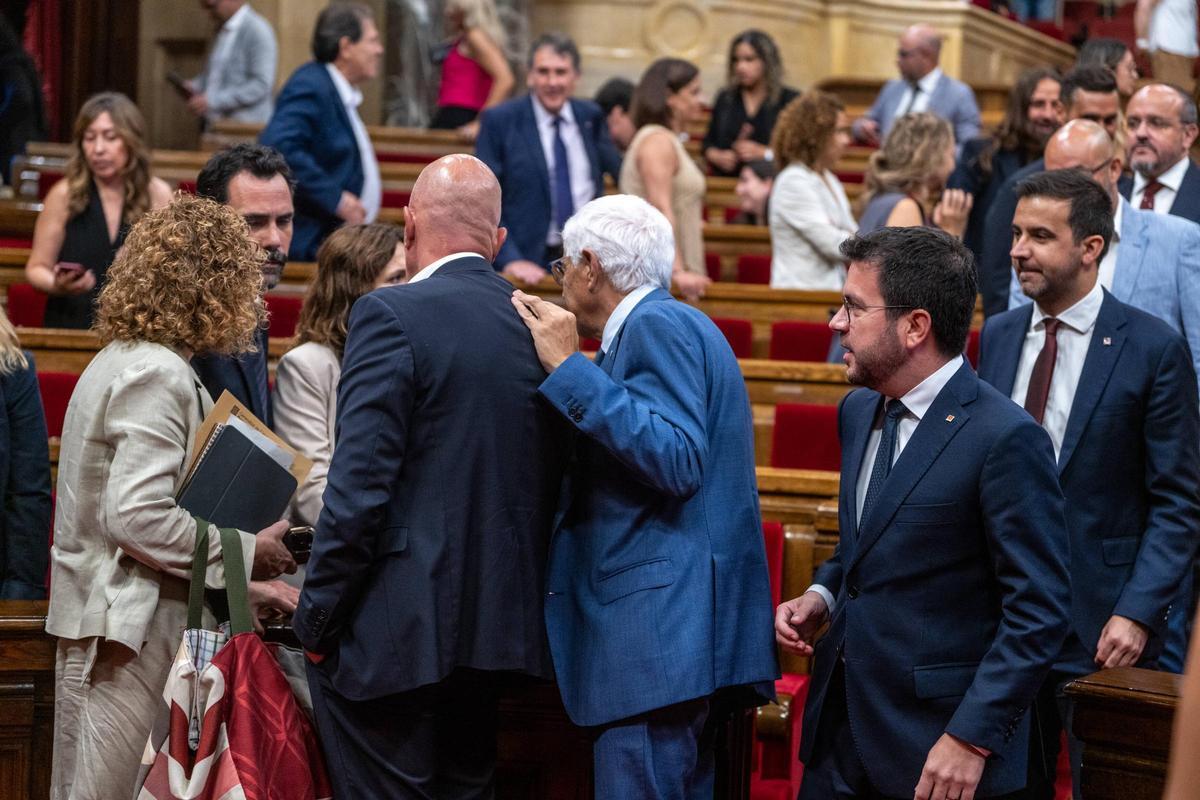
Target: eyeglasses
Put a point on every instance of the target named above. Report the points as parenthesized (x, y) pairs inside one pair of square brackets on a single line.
[(1100, 166), (558, 268), (854, 311)]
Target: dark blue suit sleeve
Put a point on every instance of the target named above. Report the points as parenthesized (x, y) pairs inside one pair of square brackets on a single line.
[(489, 148), (654, 423), (27, 495), (995, 265), (1172, 431), (1026, 531), (300, 110), (375, 401)]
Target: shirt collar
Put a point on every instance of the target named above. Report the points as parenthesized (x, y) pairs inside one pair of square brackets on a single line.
[(1118, 218), (545, 118), (615, 320), (919, 398), (930, 80), (1171, 179), (1079, 317), (351, 97), (432, 268), (236, 19)]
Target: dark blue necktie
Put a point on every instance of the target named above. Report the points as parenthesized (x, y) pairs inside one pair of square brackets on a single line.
[(893, 410), (564, 205), (260, 375), (599, 359)]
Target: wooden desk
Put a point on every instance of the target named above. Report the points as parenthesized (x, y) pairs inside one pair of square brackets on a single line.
[(26, 700)]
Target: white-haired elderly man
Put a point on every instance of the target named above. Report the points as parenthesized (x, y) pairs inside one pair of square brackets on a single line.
[(658, 606)]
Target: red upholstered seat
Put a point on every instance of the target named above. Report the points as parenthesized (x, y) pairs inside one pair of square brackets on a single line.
[(739, 333), (285, 313), (393, 198), (45, 181), (26, 305), (800, 341), (187, 187), (754, 268), (805, 437), (16, 242), (972, 350), (56, 389), (712, 265), (394, 157), (773, 541)]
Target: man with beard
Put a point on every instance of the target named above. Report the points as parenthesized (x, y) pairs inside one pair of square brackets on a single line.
[(255, 181), (1161, 125), (947, 595), (1114, 386), (1034, 112)]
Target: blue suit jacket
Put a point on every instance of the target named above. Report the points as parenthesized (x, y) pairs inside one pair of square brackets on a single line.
[(1158, 271), (509, 143), (1134, 424), (969, 176), (24, 487), (658, 589), (952, 100), (239, 374), (951, 597), (995, 265), (312, 131), (1187, 199), (430, 551)]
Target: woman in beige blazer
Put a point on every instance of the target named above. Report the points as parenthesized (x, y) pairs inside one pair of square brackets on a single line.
[(351, 262), (186, 281)]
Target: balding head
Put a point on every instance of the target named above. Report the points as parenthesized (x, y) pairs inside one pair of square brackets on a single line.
[(1161, 123), (920, 47), (1083, 144), (454, 208)]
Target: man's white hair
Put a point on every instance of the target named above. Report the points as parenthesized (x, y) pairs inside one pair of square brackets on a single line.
[(632, 239)]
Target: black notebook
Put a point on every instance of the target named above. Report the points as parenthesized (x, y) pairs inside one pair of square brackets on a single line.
[(236, 484)]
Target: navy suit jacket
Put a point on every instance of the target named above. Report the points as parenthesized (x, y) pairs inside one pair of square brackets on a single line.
[(1129, 468), (951, 597), (239, 374), (24, 487), (994, 264), (311, 129), (658, 589), (1187, 199), (430, 550), (969, 176), (509, 144)]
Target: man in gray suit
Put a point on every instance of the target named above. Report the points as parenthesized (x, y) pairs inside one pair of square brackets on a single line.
[(239, 76), (922, 86)]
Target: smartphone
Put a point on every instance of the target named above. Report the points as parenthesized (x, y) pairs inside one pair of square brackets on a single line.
[(68, 266), (298, 540), (181, 85)]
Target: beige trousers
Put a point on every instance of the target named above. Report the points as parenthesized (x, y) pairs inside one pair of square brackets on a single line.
[(1174, 69), (106, 698)]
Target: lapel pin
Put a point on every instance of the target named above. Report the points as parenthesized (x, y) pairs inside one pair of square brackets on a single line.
[(1107, 341), (949, 418)]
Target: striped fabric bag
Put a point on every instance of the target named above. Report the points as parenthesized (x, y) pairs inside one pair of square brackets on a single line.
[(229, 727)]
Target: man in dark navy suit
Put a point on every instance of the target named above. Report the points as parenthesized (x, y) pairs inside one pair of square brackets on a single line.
[(550, 153), (254, 181), (1161, 125), (947, 595), (425, 586), (317, 128), (1115, 389)]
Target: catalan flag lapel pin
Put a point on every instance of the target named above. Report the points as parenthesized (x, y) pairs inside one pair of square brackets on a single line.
[(949, 418)]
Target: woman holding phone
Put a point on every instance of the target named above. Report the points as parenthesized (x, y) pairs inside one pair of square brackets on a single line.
[(85, 215)]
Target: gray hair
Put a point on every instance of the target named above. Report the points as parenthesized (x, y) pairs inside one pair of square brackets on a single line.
[(631, 238)]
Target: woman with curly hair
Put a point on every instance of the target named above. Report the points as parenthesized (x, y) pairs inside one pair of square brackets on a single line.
[(353, 261), (745, 111), (809, 212), (187, 281), (87, 214), (906, 179)]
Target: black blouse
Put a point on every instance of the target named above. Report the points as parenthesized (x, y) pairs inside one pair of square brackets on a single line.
[(729, 115), (86, 242)]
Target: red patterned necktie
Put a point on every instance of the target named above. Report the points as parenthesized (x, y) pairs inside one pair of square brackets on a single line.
[(1043, 372), (1148, 195)]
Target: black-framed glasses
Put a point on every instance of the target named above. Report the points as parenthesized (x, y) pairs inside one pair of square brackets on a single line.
[(855, 311), (558, 268)]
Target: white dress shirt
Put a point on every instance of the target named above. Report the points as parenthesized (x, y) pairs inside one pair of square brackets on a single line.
[(1173, 28), (916, 402), (615, 320), (432, 268), (583, 188), (1171, 180), (922, 102), (1108, 265), (220, 52), (1074, 338), (372, 188)]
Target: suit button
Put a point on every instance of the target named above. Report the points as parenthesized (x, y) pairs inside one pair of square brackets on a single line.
[(852, 592)]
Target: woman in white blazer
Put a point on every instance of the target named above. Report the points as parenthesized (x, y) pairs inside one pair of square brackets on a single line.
[(351, 262), (809, 212), (186, 281)]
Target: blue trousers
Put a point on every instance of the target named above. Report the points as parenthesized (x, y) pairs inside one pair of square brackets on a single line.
[(664, 754)]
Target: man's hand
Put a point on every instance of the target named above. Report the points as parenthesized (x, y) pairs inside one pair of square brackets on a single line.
[(526, 272), (952, 771), (1121, 642), (867, 130), (797, 622), (198, 104), (470, 131), (271, 601), (350, 209), (553, 329), (689, 284), (271, 557)]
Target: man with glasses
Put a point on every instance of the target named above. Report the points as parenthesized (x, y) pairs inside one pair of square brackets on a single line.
[(1161, 126), (947, 596)]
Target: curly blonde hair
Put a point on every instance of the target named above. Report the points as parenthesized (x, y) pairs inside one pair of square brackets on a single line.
[(912, 152), (804, 128), (131, 127), (189, 277)]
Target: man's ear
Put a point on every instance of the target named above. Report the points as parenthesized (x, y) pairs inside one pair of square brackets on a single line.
[(410, 228), (918, 328), (1092, 246), (593, 274), (498, 240)]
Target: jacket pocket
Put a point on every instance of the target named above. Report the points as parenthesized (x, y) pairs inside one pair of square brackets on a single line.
[(928, 513), (652, 574), (393, 539), (943, 680), (1121, 550)]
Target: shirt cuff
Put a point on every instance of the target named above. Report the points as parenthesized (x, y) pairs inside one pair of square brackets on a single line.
[(825, 595)]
